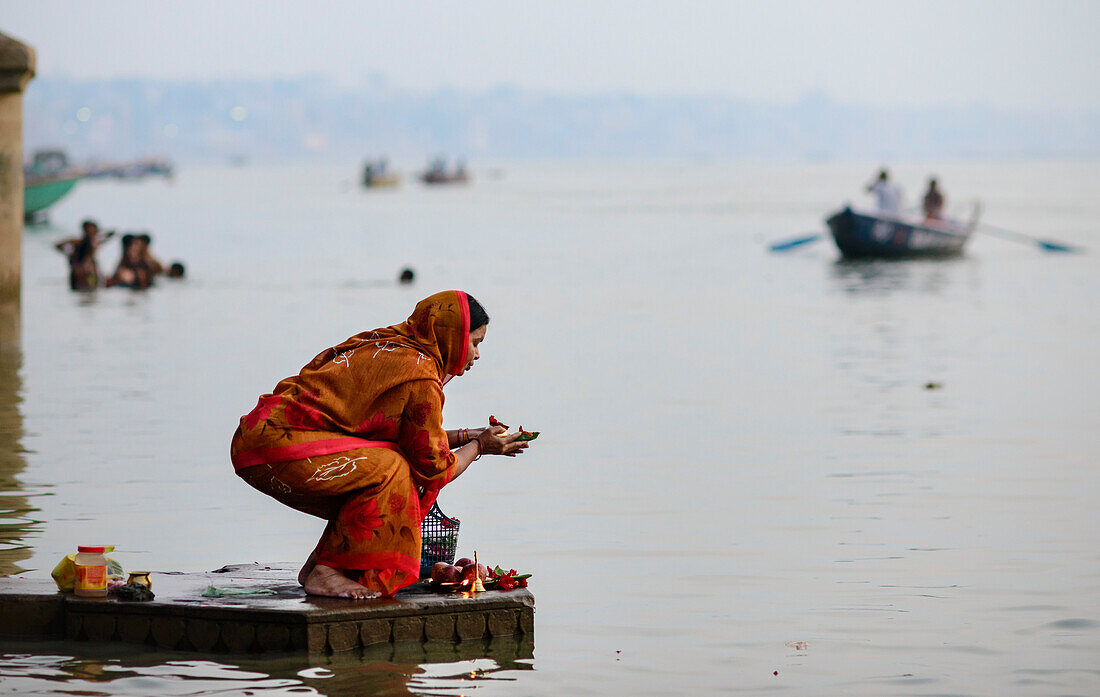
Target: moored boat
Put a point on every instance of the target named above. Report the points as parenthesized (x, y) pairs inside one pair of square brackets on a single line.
[(40, 193), (46, 179), (865, 234)]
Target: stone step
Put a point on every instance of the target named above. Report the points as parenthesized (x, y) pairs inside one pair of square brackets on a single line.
[(181, 619)]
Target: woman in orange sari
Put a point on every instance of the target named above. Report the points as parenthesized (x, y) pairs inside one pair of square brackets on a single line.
[(357, 438)]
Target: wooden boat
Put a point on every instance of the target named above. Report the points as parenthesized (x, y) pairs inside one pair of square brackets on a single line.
[(439, 173), (39, 193), (865, 234), (378, 174), (442, 177), (46, 179)]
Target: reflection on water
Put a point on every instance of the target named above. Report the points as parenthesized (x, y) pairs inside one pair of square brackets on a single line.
[(884, 276), (405, 669), (16, 513)]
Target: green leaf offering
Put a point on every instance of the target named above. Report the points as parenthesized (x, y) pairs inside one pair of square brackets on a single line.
[(527, 435)]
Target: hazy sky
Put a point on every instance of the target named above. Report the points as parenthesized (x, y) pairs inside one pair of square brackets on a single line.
[(1016, 54)]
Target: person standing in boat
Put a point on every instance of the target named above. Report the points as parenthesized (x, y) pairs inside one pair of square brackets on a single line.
[(83, 272), (887, 194), (933, 202)]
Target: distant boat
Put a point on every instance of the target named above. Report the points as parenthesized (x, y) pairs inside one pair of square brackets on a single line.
[(379, 174), (865, 234), (433, 177), (437, 173), (130, 169), (40, 193)]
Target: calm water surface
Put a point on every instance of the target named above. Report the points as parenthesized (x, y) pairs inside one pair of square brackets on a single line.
[(742, 484)]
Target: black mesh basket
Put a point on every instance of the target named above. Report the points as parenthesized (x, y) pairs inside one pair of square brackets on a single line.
[(439, 535)]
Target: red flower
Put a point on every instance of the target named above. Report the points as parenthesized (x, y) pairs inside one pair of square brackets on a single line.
[(300, 416), (397, 503), (418, 413), (362, 518), (261, 411), (419, 450), (378, 427), (508, 580)]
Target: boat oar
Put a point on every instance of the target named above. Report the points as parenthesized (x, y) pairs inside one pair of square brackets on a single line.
[(1045, 245), (792, 243)]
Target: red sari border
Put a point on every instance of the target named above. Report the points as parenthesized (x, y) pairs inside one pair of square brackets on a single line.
[(299, 451), (464, 303)]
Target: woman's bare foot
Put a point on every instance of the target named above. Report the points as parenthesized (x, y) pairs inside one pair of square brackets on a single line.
[(325, 580), (307, 569)]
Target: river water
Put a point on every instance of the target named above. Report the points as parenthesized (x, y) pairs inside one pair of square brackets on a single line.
[(742, 484)]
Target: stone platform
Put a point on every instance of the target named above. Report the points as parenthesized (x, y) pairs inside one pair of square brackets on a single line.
[(181, 619)]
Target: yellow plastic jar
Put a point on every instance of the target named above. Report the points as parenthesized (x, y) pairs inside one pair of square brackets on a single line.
[(91, 571)]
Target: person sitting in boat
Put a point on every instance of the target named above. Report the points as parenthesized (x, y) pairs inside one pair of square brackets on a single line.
[(83, 271), (357, 439), (132, 270), (933, 202), (887, 194)]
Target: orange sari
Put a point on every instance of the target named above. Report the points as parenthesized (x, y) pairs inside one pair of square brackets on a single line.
[(357, 438)]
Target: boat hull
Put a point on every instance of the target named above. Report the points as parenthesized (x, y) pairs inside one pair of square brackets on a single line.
[(383, 180), (41, 194), (440, 178), (862, 235)]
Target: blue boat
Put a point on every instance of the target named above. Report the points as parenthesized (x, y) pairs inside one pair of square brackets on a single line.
[(863, 234)]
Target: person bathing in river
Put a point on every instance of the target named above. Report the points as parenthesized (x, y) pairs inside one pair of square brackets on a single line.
[(83, 272), (142, 241), (357, 439), (933, 202), (132, 271)]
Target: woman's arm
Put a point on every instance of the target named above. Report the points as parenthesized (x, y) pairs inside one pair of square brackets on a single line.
[(464, 456), (494, 440), (461, 436)]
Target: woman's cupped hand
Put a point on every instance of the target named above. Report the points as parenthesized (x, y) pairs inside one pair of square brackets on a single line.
[(496, 440)]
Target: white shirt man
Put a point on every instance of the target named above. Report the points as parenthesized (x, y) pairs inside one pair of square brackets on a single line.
[(887, 194)]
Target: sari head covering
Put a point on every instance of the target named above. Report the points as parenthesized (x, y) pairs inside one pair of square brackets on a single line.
[(438, 326)]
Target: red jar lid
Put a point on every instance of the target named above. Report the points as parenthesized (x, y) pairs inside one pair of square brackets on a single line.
[(93, 549)]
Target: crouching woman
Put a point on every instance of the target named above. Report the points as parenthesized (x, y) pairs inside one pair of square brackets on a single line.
[(357, 438)]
